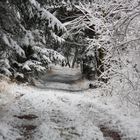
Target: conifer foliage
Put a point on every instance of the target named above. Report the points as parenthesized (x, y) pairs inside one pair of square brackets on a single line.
[(25, 27)]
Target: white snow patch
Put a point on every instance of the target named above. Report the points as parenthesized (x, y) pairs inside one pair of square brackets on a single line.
[(64, 115)]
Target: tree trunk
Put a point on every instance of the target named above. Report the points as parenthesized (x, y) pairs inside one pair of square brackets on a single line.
[(75, 57)]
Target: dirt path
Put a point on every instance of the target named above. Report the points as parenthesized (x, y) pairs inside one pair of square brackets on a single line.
[(63, 78)]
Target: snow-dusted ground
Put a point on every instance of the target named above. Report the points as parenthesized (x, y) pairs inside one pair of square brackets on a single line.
[(44, 114), (58, 115), (63, 78)]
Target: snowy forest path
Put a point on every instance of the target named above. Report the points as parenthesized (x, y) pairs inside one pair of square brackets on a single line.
[(58, 115), (63, 78)]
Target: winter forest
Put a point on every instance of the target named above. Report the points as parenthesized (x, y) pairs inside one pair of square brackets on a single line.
[(69, 70)]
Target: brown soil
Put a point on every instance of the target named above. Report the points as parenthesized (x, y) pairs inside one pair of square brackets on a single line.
[(110, 133), (27, 117)]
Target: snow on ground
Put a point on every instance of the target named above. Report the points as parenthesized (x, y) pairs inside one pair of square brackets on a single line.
[(63, 78), (37, 113), (60, 115)]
